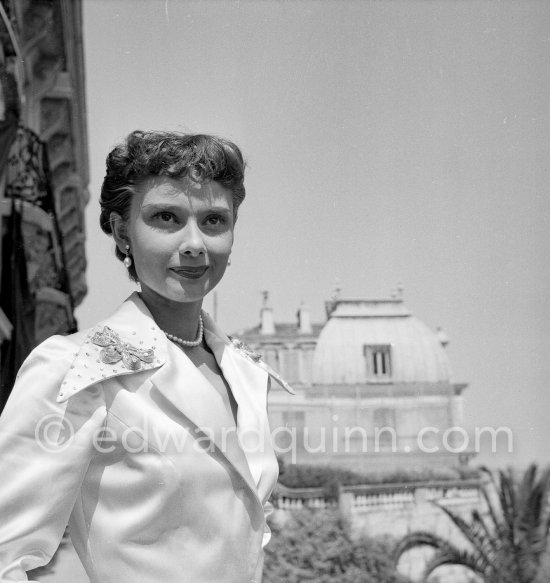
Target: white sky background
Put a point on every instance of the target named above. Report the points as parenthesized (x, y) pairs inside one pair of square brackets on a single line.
[(387, 142)]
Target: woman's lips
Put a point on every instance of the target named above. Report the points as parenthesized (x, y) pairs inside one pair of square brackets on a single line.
[(190, 272)]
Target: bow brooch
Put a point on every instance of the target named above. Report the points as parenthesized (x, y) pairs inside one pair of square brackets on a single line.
[(114, 350)]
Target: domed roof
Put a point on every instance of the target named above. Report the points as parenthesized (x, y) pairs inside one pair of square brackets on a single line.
[(357, 326)]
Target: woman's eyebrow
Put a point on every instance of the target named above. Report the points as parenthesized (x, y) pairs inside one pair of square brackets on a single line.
[(162, 205), (218, 209), (165, 206)]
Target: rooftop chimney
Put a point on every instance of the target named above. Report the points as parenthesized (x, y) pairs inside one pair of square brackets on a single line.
[(330, 305), (267, 325)]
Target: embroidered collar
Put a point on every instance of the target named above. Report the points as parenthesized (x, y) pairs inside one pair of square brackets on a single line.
[(214, 336), (252, 356), (127, 342), (130, 341)]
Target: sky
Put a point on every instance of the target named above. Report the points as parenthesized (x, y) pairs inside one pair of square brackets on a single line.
[(388, 143)]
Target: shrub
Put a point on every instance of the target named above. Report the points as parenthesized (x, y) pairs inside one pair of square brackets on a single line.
[(315, 546), (328, 477)]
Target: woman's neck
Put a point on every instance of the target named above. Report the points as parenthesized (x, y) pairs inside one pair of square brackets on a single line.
[(178, 318)]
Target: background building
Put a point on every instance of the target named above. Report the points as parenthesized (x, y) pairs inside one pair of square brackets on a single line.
[(43, 173), (374, 387)]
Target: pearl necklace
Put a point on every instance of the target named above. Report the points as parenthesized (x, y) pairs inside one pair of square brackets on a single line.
[(188, 343)]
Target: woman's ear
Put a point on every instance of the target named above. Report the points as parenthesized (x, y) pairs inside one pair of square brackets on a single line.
[(118, 228)]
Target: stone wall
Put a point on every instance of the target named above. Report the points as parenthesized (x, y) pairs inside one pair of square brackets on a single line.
[(42, 48), (395, 510)]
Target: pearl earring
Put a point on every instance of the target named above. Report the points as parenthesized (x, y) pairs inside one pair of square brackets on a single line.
[(229, 262), (127, 260)]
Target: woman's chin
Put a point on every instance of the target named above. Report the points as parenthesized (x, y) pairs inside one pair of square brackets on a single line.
[(176, 292), (192, 293)]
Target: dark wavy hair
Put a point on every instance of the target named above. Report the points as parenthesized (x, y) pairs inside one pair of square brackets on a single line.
[(143, 154)]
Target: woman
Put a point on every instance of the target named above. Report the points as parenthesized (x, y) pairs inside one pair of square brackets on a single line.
[(148, 434)]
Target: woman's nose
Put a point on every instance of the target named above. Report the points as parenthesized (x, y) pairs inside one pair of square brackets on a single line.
[(192, 243)]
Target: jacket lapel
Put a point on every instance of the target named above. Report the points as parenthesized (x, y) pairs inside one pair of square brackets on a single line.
[(135, 329), (248, 383), (183, 385)]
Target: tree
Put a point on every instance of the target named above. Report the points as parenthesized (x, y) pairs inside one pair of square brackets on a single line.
[(509, 542), (315, 546)]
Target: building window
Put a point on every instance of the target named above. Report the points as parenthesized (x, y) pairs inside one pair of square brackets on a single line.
[(307, 364), (378, 361), (290, 369)]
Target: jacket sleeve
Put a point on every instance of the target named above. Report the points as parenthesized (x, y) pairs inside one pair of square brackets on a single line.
[(45, 450)]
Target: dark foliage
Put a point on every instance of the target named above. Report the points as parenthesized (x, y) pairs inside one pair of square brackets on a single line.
[(315, 546), (509, 541), (318, 476)]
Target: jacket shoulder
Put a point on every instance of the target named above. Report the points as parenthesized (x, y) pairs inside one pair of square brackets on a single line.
[(56, 352), (44, 369)]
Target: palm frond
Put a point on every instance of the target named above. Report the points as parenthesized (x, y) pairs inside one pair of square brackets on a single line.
[(495, 513), (416, 539), (535, 509), (507, 539), (490, 533), (473, 534), (506, 493), (527, 486), (531, 533), (453, 556)]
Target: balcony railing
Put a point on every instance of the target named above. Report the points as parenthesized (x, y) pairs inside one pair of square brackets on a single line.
[(376, 497)]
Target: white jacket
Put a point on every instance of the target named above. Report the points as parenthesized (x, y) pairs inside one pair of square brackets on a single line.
[(136, 461)]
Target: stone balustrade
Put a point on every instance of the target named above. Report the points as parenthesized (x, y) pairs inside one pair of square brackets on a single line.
[(298, 498), (381, 497)]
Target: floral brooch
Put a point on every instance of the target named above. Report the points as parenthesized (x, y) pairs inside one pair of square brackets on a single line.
[(114, 350), (244, 350)]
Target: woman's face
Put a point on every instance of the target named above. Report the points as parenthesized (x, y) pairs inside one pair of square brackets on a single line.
[(180, 234)]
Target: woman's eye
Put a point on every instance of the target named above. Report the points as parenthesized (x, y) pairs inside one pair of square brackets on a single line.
[(165, 217), (215, 220)]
